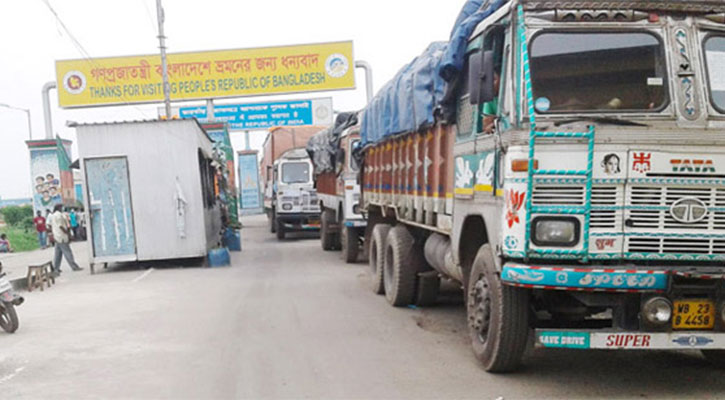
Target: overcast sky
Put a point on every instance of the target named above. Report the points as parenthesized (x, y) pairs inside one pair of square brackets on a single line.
[(386, 33)]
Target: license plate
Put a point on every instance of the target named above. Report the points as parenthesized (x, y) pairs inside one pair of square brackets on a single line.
[(693, 314)]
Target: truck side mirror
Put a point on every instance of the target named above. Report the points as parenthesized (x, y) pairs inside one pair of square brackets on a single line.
[(480, 77)]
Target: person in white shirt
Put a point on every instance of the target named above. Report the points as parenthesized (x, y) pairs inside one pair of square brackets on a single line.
[(61, 232)]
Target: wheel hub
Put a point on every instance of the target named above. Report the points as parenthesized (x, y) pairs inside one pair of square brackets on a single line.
[(479, 301)]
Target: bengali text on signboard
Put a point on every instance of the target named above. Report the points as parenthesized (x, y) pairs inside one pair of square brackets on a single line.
[(252, 116)]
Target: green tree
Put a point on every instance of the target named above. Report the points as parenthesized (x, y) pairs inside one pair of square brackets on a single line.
[(14, 215)]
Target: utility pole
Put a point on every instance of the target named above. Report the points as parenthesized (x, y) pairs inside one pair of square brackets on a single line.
[(164, 67)]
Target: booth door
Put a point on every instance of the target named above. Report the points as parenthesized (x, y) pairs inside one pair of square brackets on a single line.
[(111, 213)]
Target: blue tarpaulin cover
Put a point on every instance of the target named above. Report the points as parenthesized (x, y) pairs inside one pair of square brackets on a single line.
[(408, 101)]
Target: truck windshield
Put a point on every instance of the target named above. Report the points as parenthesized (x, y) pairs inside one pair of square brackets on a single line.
[(295, 172), (715, 55), (604, 72)]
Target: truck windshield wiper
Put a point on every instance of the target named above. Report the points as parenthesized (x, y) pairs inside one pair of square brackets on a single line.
[(602, 120)]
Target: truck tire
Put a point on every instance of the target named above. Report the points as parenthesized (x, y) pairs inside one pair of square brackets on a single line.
[(350, 244), (497, 316), (427, 292), (8, 318), (400, 268), (280, 229), (272, 221), (327, 237), (376, 257), (715, 357)]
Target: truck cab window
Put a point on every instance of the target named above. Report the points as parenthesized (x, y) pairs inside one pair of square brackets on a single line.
[(597, 71), (494, 41), (295, 172), (715, 59)]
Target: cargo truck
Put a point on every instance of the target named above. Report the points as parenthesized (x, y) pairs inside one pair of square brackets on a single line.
[(336, 172), (290, 199), (561, 161)]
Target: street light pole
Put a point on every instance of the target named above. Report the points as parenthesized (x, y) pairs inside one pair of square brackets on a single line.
[(27, 114), (164, 67)]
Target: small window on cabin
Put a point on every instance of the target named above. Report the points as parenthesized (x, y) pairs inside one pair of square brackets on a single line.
[(464, 109), (494, 41)]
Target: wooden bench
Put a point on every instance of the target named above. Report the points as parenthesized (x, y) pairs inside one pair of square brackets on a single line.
[(39, 275)]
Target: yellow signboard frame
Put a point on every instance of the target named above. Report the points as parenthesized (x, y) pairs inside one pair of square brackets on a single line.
[(206, 75)]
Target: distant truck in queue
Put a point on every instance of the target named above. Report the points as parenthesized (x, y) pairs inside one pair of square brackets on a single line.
[(336, 172), (290, 200), (561, 161)]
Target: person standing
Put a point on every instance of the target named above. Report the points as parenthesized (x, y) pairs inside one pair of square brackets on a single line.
[(74, 223), (61, 232), (49, 229), (42, 229)]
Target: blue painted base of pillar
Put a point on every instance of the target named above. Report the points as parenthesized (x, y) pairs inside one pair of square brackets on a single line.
[(232, 239), (219, 257)]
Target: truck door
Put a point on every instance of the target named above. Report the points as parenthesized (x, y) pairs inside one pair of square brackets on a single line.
[(110, 209)]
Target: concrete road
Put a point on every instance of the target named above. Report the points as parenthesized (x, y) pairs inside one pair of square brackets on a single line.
[(288, 320)]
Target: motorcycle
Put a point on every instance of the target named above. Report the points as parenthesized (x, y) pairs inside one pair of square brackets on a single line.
[(8, 300)]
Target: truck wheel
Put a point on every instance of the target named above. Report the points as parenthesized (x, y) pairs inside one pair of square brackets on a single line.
[(376, 259), (280, 229), (272, 221), (350, 245), (497, 316), (715, 357), (427, 292), (400, 268), (327, 237)]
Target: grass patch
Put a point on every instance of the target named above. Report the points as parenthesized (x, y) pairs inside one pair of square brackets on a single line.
[(20, 239)]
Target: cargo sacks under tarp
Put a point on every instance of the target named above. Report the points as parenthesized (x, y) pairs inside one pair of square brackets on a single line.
[(409, 102), (323, 146)]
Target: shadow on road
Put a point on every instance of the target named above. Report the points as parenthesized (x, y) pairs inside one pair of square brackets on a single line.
[(600, 373), (587, 374)]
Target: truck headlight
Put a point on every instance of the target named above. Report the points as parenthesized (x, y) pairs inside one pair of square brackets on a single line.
[(356, 208), (555, 231), (657, 310), (286, 206)]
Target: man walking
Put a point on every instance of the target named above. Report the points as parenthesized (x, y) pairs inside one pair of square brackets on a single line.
[(61, 232), (42, 230)]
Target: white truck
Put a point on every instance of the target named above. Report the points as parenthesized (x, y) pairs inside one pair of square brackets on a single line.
[(567, 172), (290, 199), (336, 172)]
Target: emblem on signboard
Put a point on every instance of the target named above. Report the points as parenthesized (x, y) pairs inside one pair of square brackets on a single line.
[(322, 112), (74, 82), (337, 65), (688, 210)]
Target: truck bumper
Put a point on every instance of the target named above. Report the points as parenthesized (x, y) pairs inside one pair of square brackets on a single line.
[(618, 340), (591, 278), (300, 221)]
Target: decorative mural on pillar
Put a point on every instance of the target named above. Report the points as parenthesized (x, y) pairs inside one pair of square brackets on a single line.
[(52, 178)]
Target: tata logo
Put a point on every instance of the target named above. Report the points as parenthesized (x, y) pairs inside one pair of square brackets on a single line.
[(688, 210), (694, 165)]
